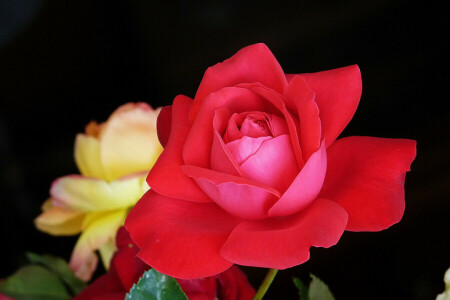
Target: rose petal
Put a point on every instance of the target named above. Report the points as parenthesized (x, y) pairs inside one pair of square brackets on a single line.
[(106, 285), (221, 159), (301, 98), (232, 132), (60, 221), (274, 164), (245, 147), (170, 162), (163, 124), (87, 156), (128, 267), (305, 188), (282, 243), (234, 285), (254, 63), (100, 229), (238, 196), (337, 95), (199, 289), (278, 101), (366, 176), (128, 141), (162, 226), (86, 194), (197, 148)]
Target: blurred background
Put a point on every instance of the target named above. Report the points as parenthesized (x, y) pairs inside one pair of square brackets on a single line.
[(65, 63)]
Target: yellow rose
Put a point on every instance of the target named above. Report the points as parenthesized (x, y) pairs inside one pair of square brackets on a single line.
[(113, 158)]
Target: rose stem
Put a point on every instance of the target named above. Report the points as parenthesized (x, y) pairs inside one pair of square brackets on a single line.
[(265, 284)]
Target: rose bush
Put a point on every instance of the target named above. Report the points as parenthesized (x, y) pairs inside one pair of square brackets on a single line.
[(126, 270), (253, 174)]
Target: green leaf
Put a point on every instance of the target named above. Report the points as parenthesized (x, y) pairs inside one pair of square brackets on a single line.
[(156, 286), (61, 268), (34, 282), (318, 290), (302, 288)]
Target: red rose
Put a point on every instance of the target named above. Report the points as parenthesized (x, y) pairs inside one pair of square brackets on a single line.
[(252, 172), (126, 270)]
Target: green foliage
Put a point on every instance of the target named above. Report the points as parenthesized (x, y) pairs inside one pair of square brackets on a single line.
[(61, 268), (156, 286), (34, 282), (47, 277), (317, 289)]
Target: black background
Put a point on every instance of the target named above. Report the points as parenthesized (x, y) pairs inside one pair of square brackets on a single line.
[(64, 63)]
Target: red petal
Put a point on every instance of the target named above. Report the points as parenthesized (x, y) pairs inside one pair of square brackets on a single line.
[(197, 148), (129, 268), (337, 95), (221, 158), (366, 176), (305, 188), (106, 284), (199, 289), (233, 285), (274, 164), (163, 124), (180, 238), (254, 63), (282, 243), (168, 165), (239, 196), (301, 99)]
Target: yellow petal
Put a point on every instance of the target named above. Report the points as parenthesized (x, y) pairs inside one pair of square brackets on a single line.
[(99, 231), (87, 156), (107, 252), (86, 194), (59, 221), (128, 141)]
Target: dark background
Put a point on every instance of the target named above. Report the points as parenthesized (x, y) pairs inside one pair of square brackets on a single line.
[(64, 63)]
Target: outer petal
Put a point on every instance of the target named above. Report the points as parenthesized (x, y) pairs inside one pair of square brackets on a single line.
[(197, 148), (254, 63), (106, 285), (100, 229), (238, 196), (282, 243), (87, 156), (60, 221), (366, 176), (180, 238), (305, 188), (89, 194), (164, 124), (128, 141), (166, 176), (337, 95)]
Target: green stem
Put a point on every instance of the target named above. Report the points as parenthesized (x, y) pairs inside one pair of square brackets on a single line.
[(265, 284)]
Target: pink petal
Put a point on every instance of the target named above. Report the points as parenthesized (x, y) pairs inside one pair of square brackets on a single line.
[(254, 63), (278, 101), (168, 165), (238, 196), (337, 95), (282, 243), (197, 148), (274, 164), (163, 124), (305, 188), (245, 147), (366, 176), (180, 238), (300, 97), (232, 132)]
